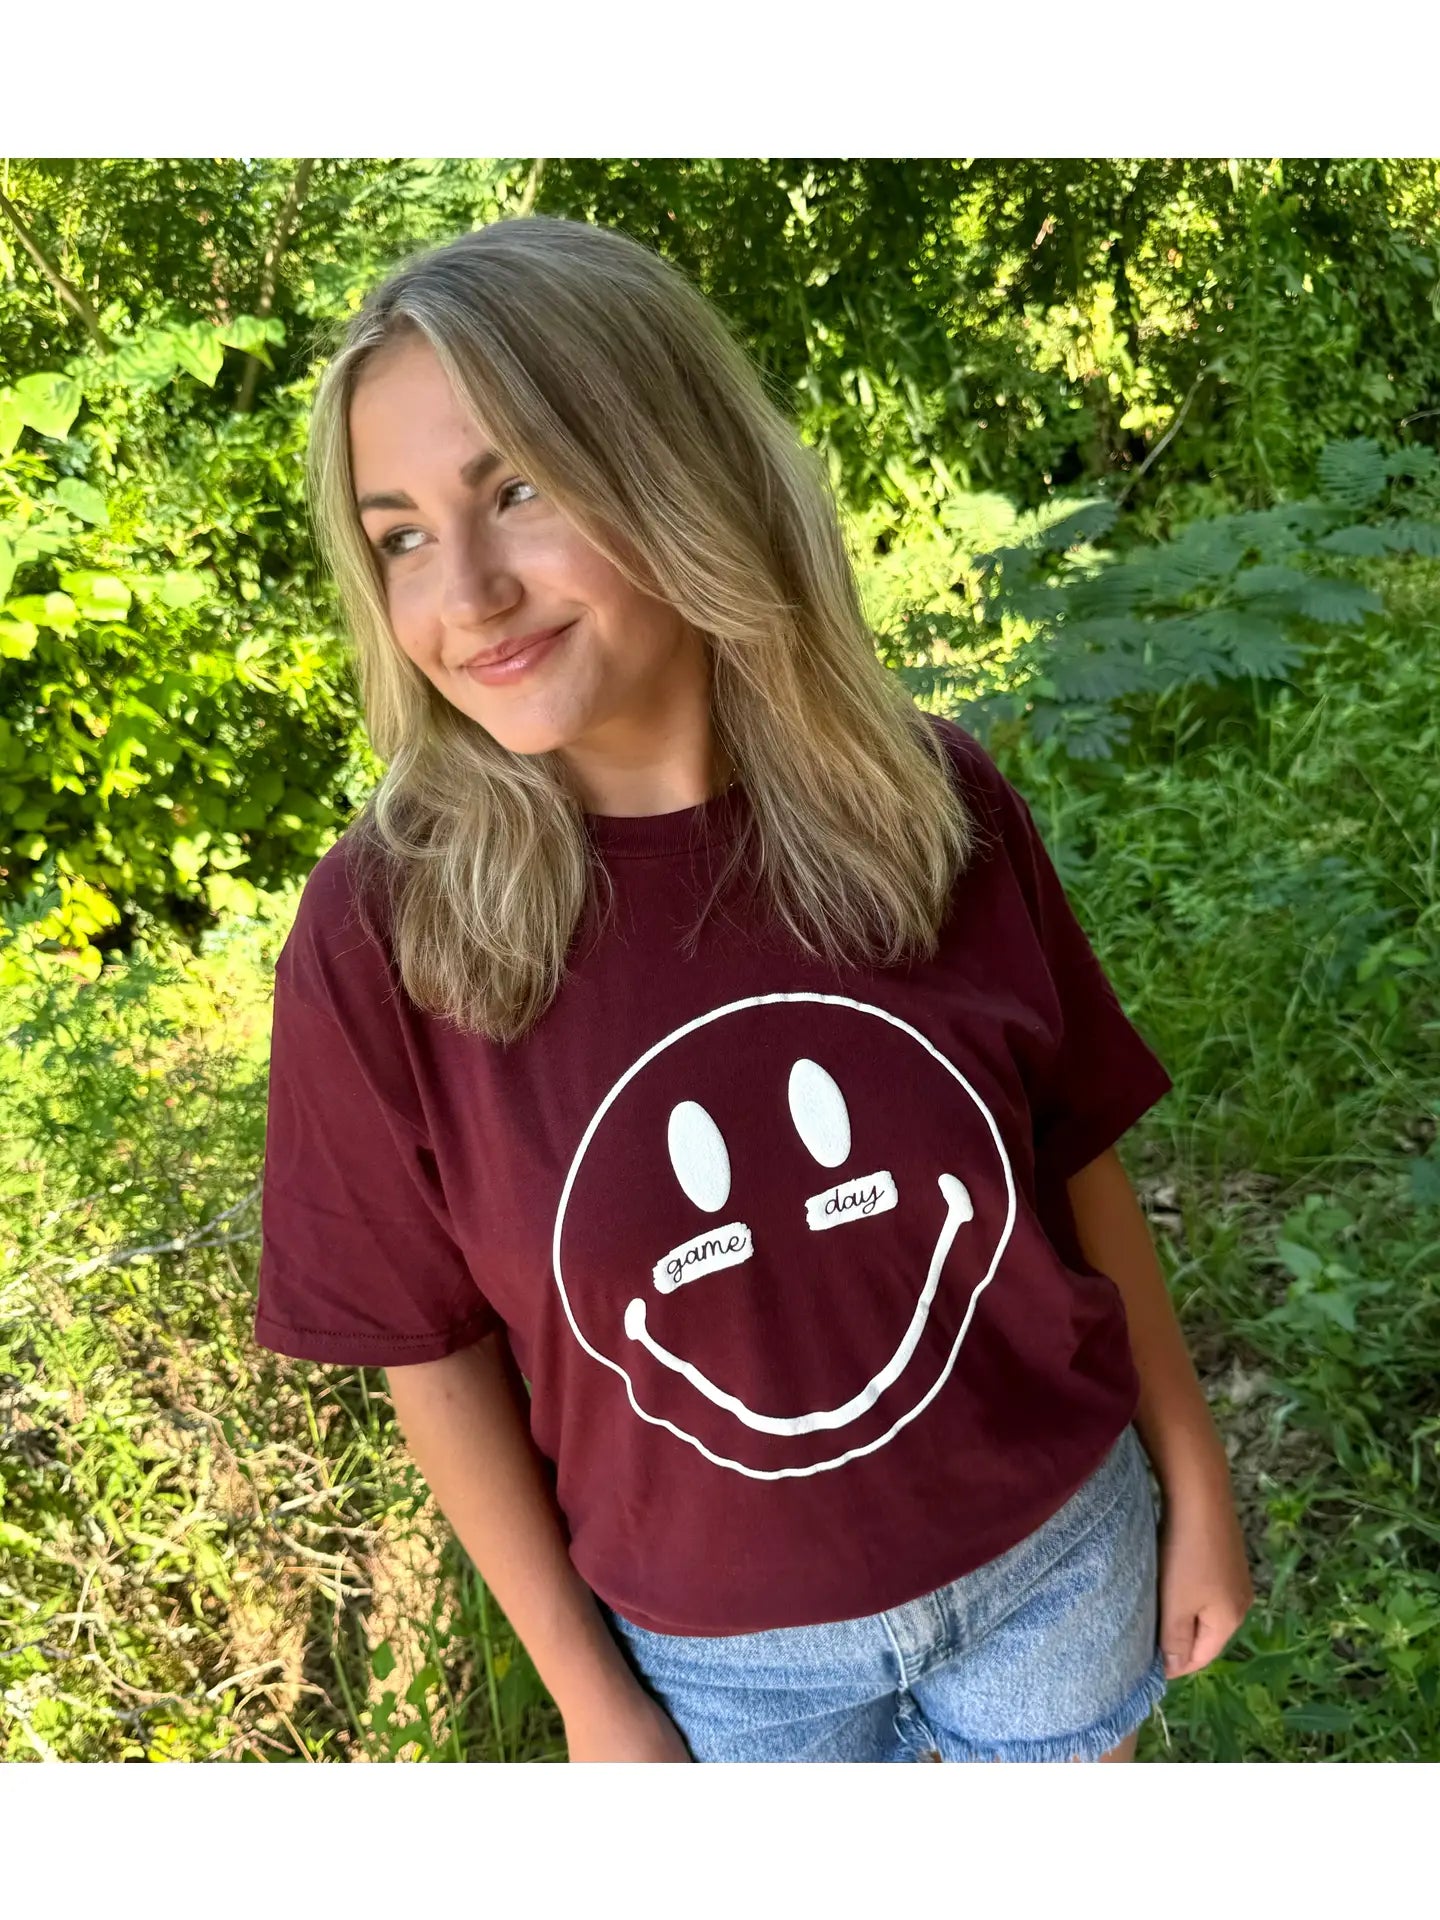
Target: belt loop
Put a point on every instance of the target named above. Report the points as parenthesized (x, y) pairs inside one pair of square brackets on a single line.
[(895, 1649)]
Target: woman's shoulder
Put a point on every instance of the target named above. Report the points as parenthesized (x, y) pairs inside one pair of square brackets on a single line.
[(970, 763), (975, 773), (338, 935)]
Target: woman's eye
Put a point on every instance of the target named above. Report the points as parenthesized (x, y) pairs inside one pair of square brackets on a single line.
[(508, 490), (400, 541)]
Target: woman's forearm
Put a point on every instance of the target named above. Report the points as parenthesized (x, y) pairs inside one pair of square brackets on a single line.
[(465, 1422), (1173, 1417)]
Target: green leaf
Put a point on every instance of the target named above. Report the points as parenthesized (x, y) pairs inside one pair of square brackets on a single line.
[(382, 1661), (1284, 587), (187, 856), (12, 420), (1194, 647), (1340, 603), (250, 334), (87, 503), (1085, 733), (1352, 472), (1268, 529), (1336, 1306), (1413, 536), (98, 596), (1201, 556), (227, 893), (1260, 647), (1363, 542), (17, 1540), (148, 360), (1086, 523), (181, 589), (1425, 1180), (17, 639), (53, 610), (1114, 590), (427, 1677), (1106, 674), (48, 402), (199, 350), (1301, 1261), (7, 566), (1413, 463), (1318, 1719), (1336, 603)]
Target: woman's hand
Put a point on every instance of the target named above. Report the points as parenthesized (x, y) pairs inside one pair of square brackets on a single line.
[(1205, 1589), (1205, 1585), (621, 1724)]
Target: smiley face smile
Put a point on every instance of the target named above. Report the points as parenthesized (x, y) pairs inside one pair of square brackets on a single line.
[(958, 1210)]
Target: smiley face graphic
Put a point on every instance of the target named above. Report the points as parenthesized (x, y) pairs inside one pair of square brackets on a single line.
[(776, 1229)]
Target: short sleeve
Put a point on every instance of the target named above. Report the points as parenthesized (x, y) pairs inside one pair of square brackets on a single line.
[(358, 1261), (1099, 1076), (1103, 1075)]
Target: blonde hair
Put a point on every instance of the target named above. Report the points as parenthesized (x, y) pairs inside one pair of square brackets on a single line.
[(615, 387)]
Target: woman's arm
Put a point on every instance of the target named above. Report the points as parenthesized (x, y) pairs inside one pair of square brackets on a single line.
[(1173, 1416), (465, 1422), (1205, 1586)]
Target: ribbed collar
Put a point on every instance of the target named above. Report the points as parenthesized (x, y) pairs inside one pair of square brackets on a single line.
[(713, 823)]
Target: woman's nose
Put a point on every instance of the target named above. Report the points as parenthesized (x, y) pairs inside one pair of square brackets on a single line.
[(478, 584)]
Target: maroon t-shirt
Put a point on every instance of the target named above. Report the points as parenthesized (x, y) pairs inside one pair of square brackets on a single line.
[(785, 1252)]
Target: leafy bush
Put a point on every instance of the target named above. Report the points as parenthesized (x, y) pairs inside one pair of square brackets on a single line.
[(1233, 598), (177, 732)]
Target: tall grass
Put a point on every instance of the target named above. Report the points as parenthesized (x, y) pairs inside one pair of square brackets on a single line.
[(1265, 892)]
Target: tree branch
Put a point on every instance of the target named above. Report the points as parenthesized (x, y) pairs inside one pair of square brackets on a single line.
[(1161, 444), (270, 270), (202, 1236), (532, 189), (72, 296)]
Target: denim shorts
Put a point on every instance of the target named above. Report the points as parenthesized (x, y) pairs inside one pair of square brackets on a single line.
[(1047, 1652)]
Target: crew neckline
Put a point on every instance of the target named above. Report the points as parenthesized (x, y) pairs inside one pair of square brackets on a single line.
[(713, 820)]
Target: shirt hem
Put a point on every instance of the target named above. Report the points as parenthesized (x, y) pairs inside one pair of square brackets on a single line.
[(649, 1623), (360, 1350), (1072, 1148)]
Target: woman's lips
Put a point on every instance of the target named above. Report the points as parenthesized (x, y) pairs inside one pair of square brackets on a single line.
[(501, 672)]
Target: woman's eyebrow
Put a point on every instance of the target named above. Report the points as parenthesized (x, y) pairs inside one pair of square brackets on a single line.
[(471, 474)]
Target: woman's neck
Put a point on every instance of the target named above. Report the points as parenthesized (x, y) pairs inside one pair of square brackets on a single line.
[(639, 787), (658, 762)]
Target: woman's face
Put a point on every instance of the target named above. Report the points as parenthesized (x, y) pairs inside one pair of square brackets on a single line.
[(474, 558)]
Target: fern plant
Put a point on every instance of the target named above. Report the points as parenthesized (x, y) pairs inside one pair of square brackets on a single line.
[(1240, 597)]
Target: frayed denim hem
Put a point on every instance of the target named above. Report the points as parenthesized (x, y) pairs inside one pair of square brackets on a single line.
[(1090, 1744)]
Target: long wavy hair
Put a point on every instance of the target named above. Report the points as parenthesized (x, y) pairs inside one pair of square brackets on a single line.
[(617, 389)]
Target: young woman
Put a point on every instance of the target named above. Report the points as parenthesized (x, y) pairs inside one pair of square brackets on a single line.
[(692, 1029)]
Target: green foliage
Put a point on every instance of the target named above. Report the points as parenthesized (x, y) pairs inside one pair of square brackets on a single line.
[(940, 330), (150, 359), (1116, 379), (196, 1535), (1268, 901), (1229, 600), (163, 751), (1023, 325), (179, 732)]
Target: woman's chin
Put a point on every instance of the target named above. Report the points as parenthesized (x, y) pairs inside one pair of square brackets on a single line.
[(527, 734)]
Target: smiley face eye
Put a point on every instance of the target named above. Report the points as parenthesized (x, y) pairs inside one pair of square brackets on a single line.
[(818, 1109), (698, 1156)]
